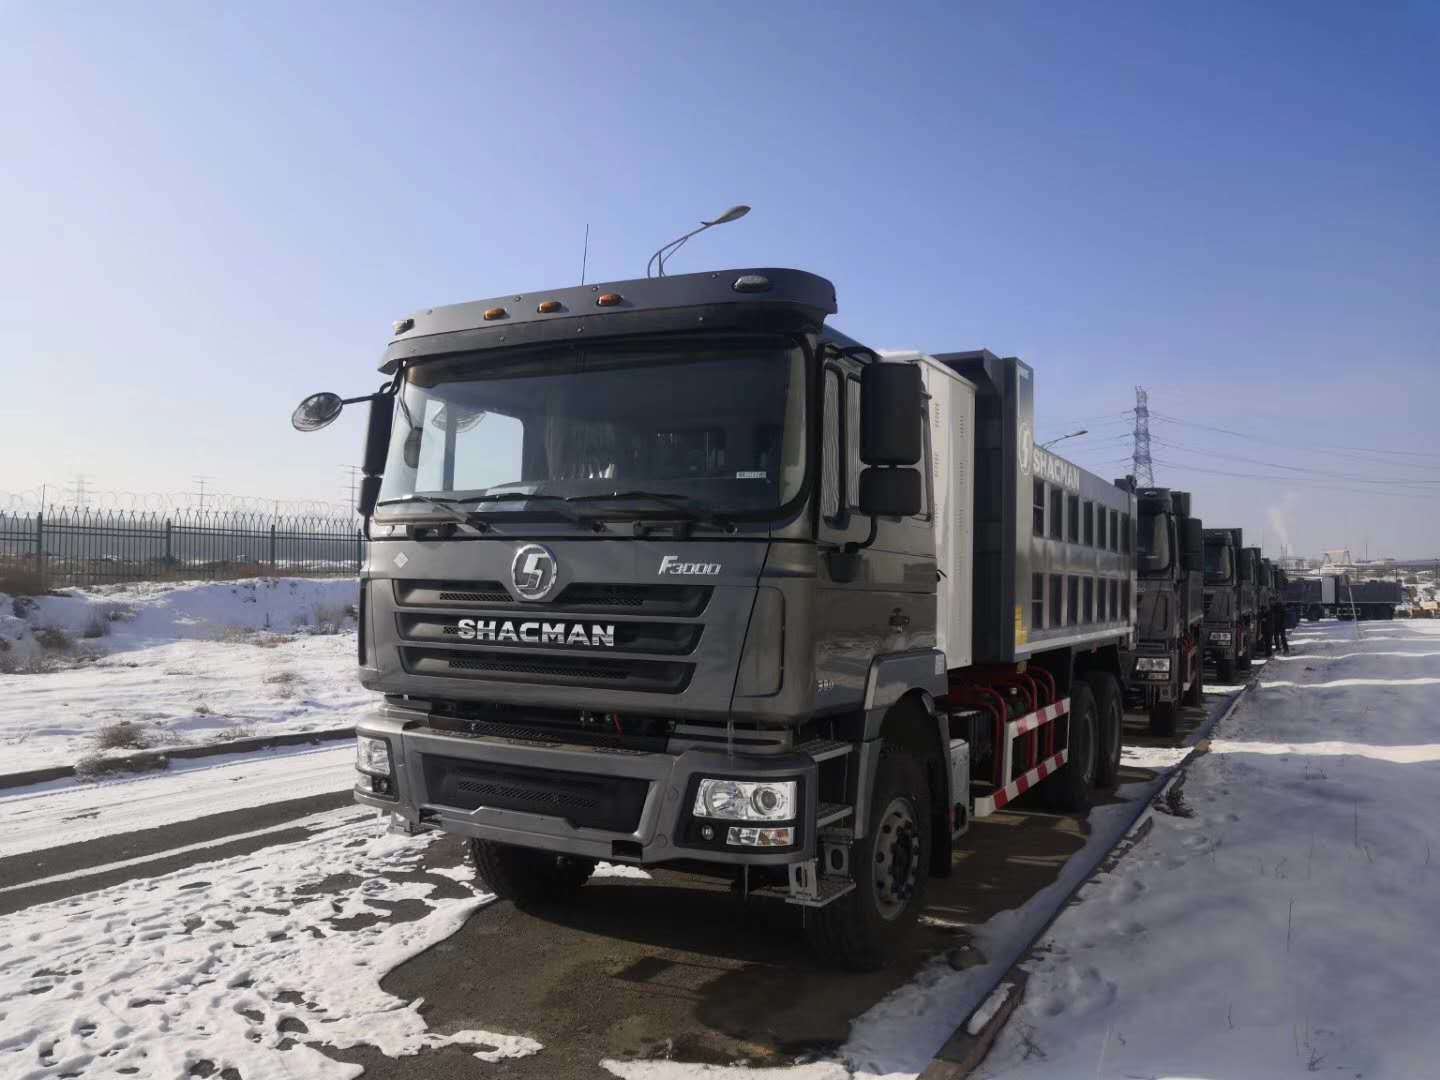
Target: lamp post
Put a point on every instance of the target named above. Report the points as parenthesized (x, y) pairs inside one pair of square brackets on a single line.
[(1062, 438), (657, 261)]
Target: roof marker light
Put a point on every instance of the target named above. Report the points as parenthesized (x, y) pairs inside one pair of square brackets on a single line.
[(609, 299), (752, 283), (495, 313), (547, 307)]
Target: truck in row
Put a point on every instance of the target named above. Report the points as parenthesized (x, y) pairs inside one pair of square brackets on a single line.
[(670, 572)]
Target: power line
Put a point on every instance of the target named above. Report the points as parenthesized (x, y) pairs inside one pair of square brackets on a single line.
[(1298, 468), (1347, 451), (1288, 480)]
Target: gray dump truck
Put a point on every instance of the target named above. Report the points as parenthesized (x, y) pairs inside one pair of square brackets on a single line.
[(668, 572), (1229, 602), (1164, 670)]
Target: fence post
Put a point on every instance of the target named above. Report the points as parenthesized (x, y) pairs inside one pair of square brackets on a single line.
[(40, 549), (272, 545), (169, 557)]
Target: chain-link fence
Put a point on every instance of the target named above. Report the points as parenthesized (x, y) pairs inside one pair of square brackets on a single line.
[(87, 547)]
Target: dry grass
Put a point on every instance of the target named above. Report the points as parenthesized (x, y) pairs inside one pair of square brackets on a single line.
[(261, 639), (36, 664), (239, 731), (122, 735), (18, 579), (88, 768), (53, 639)]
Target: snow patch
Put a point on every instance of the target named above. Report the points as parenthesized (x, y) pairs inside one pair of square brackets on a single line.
[(242, 963)]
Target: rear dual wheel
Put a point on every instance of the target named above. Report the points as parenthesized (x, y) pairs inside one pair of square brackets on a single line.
[(1069, 789), (1109, 724)]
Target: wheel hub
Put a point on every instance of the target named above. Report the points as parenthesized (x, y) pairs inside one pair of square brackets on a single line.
[(897, 858)]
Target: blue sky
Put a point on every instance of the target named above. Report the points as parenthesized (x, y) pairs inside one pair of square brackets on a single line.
[(209, 213)]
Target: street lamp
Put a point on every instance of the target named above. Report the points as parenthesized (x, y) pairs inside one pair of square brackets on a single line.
[(1062, 438), (657, 261)]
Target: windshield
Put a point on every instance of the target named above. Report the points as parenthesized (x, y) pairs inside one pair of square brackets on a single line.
[(1219, 567), (718, 422), (1152, 540)]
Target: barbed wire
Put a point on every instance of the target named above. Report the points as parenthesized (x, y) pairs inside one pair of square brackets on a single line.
[(52, 496)]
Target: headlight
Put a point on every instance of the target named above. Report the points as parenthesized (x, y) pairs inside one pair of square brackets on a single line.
[(1221, 637), (1152, 663), (745, 800), (372, 756)]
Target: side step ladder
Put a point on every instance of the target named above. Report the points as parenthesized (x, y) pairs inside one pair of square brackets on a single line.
[(826, 878)]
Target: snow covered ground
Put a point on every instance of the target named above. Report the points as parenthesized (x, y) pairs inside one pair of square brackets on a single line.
[(234, 964), (199, 662), (64, 812), (1283, 921)]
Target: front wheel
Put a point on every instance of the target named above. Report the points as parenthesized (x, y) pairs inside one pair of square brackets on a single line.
[(1162, 719), (1195, 694), (1225, 666), (865, 928), (527, 876), (1069, 788)]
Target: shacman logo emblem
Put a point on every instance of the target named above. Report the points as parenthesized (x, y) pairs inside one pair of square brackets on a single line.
[(536, 633), (534, 572)]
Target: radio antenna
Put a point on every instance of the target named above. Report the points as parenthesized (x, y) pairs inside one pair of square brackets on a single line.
[(585, 255)]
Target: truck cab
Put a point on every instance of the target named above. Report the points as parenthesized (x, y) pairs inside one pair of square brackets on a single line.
[(1229, 601), (670, 572), (1164, 671)]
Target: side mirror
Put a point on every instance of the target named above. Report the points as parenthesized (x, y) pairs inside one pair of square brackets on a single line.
[(316, 411), (890, 492), (377, 434), (892, 405), (1194, 543)]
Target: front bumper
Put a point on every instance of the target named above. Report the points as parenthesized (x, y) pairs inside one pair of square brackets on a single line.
[(1152, 686), (646, 797)]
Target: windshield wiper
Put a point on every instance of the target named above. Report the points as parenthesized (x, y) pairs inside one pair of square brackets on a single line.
[(683, 505), (464, 517), (558, 502)]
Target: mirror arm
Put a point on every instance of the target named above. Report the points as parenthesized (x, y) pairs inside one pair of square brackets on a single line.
[(852, 546)]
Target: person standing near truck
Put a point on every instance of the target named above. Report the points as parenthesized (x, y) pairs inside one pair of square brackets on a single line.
[(1277, 625)]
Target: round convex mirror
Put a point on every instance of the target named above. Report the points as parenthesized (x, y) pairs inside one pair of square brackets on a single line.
[(316, 412)]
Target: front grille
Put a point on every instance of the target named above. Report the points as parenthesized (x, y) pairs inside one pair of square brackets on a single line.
[(456, 593), (582, 799), (655, 676), (662, 639), (669, 601)]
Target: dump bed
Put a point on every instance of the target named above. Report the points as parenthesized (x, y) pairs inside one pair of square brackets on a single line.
[(1054, 560)]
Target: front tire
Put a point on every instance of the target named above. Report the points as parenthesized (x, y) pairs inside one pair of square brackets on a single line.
[(1225, 666), (1195, 694), (864, 929), (1069, 790), (1109, 724), (527, 876)]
